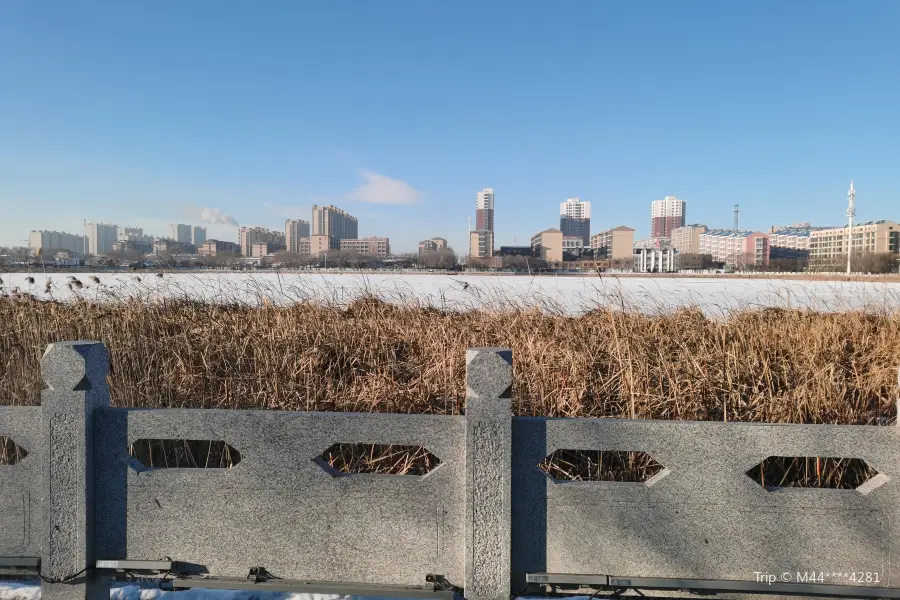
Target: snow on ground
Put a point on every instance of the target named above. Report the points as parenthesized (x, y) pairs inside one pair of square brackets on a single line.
[(568, 294)]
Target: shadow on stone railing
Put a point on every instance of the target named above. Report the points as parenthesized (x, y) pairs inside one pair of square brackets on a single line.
[(477, 502)]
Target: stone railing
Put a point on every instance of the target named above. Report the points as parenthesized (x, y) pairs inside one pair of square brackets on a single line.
[(479, 522)]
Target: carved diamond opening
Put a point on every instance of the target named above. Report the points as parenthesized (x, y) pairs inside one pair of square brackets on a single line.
[(626, 466), (377, 459), (777, 472), (10, 452), (184, 454)]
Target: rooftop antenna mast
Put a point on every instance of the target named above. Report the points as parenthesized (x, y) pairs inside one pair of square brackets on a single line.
[(851, 212), (470, 223), (737, 210)]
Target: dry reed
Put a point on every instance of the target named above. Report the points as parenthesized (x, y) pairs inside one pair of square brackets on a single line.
[(770, 365)]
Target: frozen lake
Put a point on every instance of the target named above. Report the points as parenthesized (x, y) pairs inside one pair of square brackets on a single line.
[(568, 294)]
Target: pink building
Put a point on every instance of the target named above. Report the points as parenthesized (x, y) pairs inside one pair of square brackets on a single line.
[(736, 248)]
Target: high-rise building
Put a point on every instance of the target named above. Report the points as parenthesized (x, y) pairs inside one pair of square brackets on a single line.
[(180, 232), (666, 215), (198, 236), (618, 242), (101, 237), (294, 231), (334, 222), (686, 239), (484, 209), (575, 219), (132, 234), (45, 241), (249, 236)]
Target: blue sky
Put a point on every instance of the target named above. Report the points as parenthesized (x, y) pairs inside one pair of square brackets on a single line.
[(144, 113)]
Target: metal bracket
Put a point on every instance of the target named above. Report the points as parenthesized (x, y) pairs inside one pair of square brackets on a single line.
[(186, 582), (20, 566), (712, 586)]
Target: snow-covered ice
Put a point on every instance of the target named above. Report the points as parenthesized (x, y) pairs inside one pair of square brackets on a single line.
[(568, 294)]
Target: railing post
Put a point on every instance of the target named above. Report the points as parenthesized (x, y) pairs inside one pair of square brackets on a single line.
[(488, 473), (75, 376)]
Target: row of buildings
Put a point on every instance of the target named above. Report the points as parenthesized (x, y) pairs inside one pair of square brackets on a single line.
[(103, 238), (675, 245), (329, 229)]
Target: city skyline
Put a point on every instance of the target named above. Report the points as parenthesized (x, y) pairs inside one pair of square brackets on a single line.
[(399, 139)]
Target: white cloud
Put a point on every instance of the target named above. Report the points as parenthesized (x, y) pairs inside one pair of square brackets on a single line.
[(379, 189), (212, 216)]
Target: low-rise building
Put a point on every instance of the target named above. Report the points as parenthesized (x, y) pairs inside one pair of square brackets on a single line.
[(736, 248), (654, 260), (432, 245), (794, 236), (165, 245), (686, 239), (321, 243), (516, 251), (138, 246), (548, 245), (263, 249), (618, 242), (695, 262), (376, 246), (218, 247), (828, 247)]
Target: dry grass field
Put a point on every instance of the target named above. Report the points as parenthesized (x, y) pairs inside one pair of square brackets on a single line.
[(769, 365)]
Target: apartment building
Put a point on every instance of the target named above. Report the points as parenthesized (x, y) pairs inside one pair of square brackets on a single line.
[(263, 249), (198, 235), (101, 237), (172, 247), (575, 219), (736, 248), (132, 234), (665, 215), (618, 242), (829, 246), (686, 239), (484, 209), (376, 246), (548, 245), (334, 222), (135, 246), (432, 245), (793, 236), (217, 247), (481, 243), (181, 232), (321, 243), (44, 241), (294, 231), (260, 235)]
